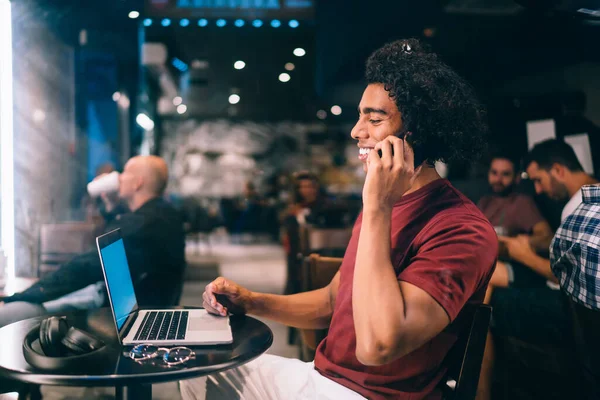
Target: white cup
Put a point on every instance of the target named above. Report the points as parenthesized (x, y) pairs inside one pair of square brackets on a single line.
[(108, 183)]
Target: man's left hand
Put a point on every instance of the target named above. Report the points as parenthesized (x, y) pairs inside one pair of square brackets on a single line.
[(388, 176), (519, 248)]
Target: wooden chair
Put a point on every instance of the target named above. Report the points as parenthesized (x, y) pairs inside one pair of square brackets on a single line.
[(465, 358), (317, 272), (330, 242), (325, 241), (60, 242)]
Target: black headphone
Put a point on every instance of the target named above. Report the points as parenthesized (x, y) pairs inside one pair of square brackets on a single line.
[(54, 344)]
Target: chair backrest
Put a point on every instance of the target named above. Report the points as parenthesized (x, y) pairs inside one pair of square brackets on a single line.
[(317, 272), (323, 240), (61, 242), (465, 358)]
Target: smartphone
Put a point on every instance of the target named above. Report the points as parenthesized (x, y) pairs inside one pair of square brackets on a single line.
[(418, 153)]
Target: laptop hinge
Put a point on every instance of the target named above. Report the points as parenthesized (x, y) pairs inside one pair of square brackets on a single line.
[(128, 324)]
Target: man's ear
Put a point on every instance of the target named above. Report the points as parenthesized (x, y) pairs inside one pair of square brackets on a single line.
[(139, 182), (559, 171)]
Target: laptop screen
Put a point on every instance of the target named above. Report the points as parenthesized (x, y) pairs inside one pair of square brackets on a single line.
[(118, 280)]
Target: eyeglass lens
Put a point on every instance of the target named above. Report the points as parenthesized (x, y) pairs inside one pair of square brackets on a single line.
[(144, 351), (178, 355)]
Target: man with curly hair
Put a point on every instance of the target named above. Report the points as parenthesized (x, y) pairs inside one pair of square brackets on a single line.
[(419, 253)]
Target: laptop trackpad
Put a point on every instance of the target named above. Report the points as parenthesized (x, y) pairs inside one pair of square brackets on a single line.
[(208, 322)]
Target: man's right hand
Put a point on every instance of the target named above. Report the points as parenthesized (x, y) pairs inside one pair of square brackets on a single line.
[(223, 296)]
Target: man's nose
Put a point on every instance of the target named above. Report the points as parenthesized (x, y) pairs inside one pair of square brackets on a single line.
[(359, 131)]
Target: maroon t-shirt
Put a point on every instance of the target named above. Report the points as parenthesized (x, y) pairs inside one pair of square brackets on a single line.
[(442, 244), (516, 213)]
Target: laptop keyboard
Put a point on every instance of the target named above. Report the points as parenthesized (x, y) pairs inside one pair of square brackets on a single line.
[(163, 325)]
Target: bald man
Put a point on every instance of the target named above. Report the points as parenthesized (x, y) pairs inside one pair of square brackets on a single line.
[(154, 241)]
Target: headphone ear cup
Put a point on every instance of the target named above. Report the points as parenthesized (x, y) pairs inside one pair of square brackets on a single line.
[(43, 337), (52, 331), (80, 342)]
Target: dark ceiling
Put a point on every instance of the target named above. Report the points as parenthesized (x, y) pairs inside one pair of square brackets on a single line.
[(488, 41)]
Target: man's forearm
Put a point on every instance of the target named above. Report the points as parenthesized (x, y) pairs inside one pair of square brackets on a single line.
[(376, 299), (540, 243), (310, 310), (540, 265)]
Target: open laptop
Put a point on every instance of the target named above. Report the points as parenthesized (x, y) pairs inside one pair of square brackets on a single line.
[(161, 327)]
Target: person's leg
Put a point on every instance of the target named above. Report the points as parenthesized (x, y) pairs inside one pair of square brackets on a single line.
[(88, 298), (266, 378), (18, 311)]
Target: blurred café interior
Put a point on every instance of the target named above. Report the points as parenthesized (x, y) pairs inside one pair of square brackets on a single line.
[(243, 110)]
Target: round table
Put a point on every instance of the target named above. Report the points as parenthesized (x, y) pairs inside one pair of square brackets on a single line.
[(132, 379)]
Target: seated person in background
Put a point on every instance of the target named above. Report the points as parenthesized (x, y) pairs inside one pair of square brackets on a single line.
[(154, 240), (555, 171), (575, 260), (536, 315), (420, 252), (513, 214), (249, 207), (575, 250), (307, 195)]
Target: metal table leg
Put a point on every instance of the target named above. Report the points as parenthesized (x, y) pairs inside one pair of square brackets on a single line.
[(133, 392)]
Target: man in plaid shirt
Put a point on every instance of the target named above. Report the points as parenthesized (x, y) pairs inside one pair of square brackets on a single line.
[(575, 251), (575, 261)]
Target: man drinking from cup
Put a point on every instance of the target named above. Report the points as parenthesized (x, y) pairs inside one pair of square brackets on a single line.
[(154, 240)]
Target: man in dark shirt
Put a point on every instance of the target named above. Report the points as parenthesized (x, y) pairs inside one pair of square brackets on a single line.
[(154, 240), (513, 214)]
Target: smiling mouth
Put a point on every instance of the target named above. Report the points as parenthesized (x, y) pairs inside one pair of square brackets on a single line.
[(363, 153)]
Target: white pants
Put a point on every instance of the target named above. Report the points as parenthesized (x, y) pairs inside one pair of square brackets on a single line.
[(267, 378)]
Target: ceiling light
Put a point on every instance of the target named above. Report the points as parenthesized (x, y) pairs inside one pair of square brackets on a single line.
[(336, 110), (294, 23), (181, 109), (284, 77), (239, 23), (147, 22), (202, 22), (234, 99), (184, 22), (257, 23), (177, 100), (116, 96), (289, 66), (239, 65), (276, 23), (165, 22), (221, 22), (134, 14), (299, 52), (321, 114)]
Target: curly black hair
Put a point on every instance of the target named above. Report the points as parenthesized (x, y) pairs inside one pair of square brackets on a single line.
[(447, 121)]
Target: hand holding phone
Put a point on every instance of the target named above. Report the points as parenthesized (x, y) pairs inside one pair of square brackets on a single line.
[(418, 154)]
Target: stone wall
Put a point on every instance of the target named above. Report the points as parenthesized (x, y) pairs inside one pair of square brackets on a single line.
[(44, 131)]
